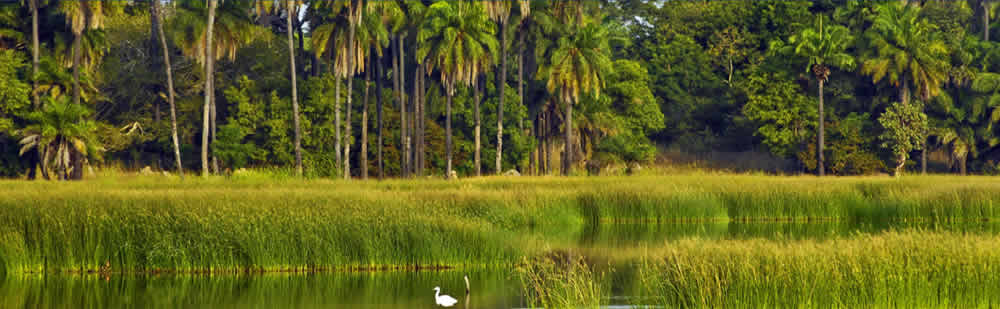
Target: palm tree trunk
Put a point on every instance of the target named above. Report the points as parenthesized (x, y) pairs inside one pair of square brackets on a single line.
[(379, 70), (520, 95), (820, 133), (214, 115), (479, 165), (364, 121), (568, 156), (501, 81), (961, 164), (34, 53), (548, 141), (404, 128), (411, 138), (208, 88), (33, 4), (421, 153), (295, 97), (76, 66), (170, 88), (447, 171), (75, 158), (395, 91), (350, 90), (986, 20), (336, 117)]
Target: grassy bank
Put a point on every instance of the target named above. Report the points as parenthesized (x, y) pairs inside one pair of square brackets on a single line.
[(250, 224)]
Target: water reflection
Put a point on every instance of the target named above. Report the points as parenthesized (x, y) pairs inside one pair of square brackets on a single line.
[(491, 288)]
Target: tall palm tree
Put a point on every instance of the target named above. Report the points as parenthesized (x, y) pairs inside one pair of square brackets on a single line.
[(209, 87), (372, 36), (354, 13), (327, 38), (499, 12), (157, 15), (908, 54), (823, 47), (392, 19), (228, 28), (349, 60), (455, 39), (578, 64), (83, 16), (290, 9)]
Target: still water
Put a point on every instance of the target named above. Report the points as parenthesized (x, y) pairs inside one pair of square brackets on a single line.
[(496, 287)]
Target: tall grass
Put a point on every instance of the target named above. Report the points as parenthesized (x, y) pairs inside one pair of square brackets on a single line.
[(561, 280), (259, 223), (913, 269)]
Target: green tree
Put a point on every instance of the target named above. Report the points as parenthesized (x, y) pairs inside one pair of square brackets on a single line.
[(905, 128), (823, 48), (908, 53), (455, 39), (578, 64), (60, 131), (781, 112)]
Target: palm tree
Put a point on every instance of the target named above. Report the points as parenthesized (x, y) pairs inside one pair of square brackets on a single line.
[(456, 39), (349, 59), (289, 11), (156, 14), (209, 87), (908, 54), (327, 37), (969, 121), (823, 48), (83, 17), (60, 131), (228, 28), (392, 21), (578, 64), (499, 12)]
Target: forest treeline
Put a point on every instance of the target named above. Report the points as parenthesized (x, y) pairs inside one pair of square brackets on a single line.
[(366, 88)]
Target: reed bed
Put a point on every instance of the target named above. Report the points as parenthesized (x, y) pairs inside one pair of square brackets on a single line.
[(154, 224), (894, 269)]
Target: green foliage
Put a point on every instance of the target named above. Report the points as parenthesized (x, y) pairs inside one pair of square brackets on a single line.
[(14, 91), (905, 128), (258, 129), (63, 134), (908, 51), (783, 115)]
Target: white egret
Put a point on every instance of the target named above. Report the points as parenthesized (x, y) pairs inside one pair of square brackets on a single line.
[(443, 300)]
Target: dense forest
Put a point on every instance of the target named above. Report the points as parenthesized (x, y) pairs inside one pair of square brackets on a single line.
[(367, 88)]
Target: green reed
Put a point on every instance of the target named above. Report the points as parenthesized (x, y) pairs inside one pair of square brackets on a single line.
[(893, 269), (150, 224)]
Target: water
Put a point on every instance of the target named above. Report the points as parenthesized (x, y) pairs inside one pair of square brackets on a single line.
[(490, 287)]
